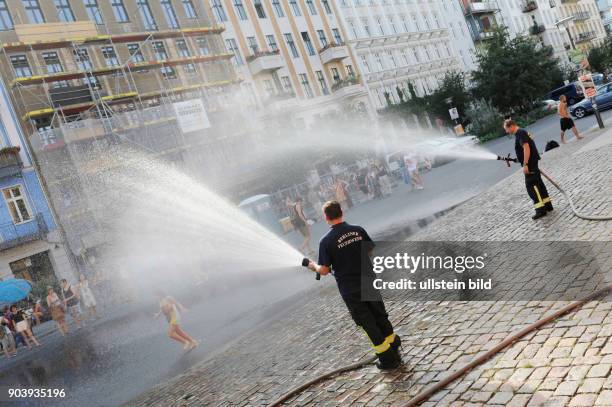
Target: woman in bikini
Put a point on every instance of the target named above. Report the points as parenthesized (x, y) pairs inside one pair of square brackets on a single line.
[(170, 308)]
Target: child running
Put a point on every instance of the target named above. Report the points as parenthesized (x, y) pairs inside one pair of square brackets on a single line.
[(170, 308)]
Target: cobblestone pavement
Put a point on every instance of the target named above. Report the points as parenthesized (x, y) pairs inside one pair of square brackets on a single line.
[(567, 362)]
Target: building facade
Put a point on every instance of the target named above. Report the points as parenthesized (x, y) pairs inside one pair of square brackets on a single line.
[(404, 42), (31, 246), (560, 24), (605, 12), (91, 80), (293, 58)]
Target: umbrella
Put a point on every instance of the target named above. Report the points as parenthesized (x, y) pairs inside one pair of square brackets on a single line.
[(14, 290)]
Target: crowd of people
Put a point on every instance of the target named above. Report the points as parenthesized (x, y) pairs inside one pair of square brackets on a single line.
[(374, 181), (17, 321)]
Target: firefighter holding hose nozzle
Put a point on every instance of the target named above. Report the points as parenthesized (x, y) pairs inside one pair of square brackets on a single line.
[(347, 248), (528, 156)]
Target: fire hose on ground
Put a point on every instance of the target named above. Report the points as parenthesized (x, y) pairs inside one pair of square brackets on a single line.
[(434, 388), (429, 391)]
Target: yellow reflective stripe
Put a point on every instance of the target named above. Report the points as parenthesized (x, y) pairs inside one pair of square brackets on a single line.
[(390, 339), (537, 191), (546, 200), (383, 347), (539, 205)]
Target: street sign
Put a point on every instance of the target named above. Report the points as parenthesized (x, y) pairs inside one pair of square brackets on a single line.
[(454, 114), (588, 86)]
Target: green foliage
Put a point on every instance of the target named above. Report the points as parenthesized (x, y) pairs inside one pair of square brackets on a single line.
[(453, 88), (600, 58), (485, 120), (514, 73), (39, 288)]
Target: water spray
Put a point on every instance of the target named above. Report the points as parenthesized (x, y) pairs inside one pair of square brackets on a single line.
[(306, 262)]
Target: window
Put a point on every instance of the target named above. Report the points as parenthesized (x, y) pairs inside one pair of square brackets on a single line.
[(306, 85), (416, 22), (146, 15), (322, 38), (32, 8), (253, 45), (202, 43), (311, 7), (110, 56), (21, 66), (366, 65), (366, 27), (392, 59), (93, 11), (322, 83), (259, 9), (17, 205), (381, 29), (379, 61), (335, 74), (337, 36), (287, 87), (240, 10), (326, 6), (349, 71), (291, 45), (135, 53), (64, 12), (119, 11), (190, 11), (182, 49), (272, 43), (6, 21), (268, 87), (233, 47), (81, 57), (278, 9), (392, 25), (168, 72), (218, 10), (308, 43), (52, 62), (159, 50), (190, 69), (169, 13), (295, 7)]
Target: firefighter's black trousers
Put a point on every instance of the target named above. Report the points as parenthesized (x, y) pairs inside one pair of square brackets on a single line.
[(373, 318), (536, 189)]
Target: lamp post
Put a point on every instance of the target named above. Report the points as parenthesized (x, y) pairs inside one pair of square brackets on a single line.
[(562, 22)]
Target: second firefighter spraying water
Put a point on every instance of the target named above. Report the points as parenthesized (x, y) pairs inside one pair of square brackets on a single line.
[(527, 155), (347, 248)]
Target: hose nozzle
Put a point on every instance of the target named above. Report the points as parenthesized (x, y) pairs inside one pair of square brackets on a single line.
[(306, 262), (507, 159)]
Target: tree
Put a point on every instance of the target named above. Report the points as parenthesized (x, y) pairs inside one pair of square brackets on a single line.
[(514, 73), (452, 88), (600, 58)]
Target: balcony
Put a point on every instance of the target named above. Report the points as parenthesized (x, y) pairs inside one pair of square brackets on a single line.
[(530, 6), (537, 29), (14, 235), (10, 162), (585, 36), (483, 35), (333, 52), (265, 62), (481, 7), (582, 16), (351, 86)]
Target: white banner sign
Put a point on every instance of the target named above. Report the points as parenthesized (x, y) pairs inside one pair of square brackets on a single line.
[(191, 115)]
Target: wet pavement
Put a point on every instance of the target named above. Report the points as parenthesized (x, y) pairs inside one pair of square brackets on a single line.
[(121, 356)]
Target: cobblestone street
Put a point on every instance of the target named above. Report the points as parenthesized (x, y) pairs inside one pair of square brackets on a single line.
[(565, 363)]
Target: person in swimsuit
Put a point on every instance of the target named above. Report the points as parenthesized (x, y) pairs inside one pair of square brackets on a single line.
[(170, 308), (566, 121)]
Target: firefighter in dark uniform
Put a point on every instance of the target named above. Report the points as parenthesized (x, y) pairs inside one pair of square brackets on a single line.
[(346, 249), (528, 156)]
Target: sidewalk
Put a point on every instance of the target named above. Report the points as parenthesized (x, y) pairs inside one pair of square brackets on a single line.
[(567, 362)]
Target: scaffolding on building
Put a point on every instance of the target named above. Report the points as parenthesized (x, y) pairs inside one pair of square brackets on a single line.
[(88, 92)]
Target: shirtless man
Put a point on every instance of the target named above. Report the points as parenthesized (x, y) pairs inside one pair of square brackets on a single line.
[(566, 121)]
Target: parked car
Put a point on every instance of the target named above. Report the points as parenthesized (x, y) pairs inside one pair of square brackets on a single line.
[(572, 91), (603, 99), (598, 78), (549, 105)]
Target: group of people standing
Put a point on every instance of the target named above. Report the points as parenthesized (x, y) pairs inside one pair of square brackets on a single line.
[(69, 301)]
